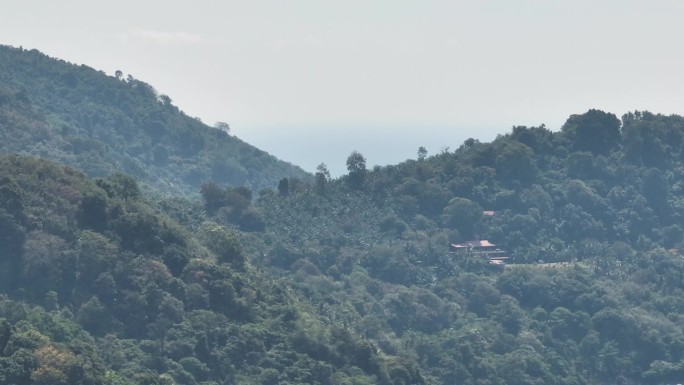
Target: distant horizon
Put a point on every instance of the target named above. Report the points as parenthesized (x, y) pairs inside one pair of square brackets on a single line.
[(373, 143), (381, 146)]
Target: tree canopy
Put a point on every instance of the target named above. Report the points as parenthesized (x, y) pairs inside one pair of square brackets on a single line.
[(106, 279)]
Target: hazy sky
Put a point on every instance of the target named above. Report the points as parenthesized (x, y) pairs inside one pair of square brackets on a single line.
[(311, 80)]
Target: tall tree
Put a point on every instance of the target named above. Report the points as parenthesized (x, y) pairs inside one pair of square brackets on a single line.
[(462, 214), (322, 177), (595, 131), (422, 153), (284, 187), (356, 165)]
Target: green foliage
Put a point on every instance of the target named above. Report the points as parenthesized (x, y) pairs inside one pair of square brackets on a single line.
[(119, 186), (223, 242), (583, 198), (463, 215), (284, 187), (356, 165), (594, 131), (322, 177), (161, 302), (515, 162), (107, 124), (328, 281), (232, 205)]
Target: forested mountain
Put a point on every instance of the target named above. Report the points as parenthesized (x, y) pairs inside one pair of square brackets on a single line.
[(328, 281), (101, 288), (104, 124), (591, 217)]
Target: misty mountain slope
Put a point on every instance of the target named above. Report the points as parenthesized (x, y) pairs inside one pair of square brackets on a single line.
[(335, 281), (99, 287), (600, 203), (596, 180), (103, 124)]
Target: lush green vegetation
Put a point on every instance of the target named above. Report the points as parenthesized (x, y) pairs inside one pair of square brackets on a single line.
[(328, 281), (105, 124), (89, 266), (601, 198)]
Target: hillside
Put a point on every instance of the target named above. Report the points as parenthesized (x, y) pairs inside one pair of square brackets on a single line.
[(105, 124), (590, 217), (351, 281), (328, 281), (98, 287)]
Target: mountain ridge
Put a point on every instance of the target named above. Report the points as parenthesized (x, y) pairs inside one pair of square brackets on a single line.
[(105, 124)]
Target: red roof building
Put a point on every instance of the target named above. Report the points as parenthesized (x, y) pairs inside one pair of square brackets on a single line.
[(494, 255)]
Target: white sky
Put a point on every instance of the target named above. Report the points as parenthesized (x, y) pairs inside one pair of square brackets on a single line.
[(311, 80)]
